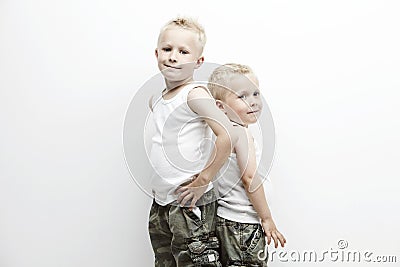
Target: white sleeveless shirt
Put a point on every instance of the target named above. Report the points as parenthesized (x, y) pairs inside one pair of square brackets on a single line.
[(181, 145), (233, 203)]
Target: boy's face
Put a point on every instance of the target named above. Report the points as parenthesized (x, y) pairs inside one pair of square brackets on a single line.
[(243, 104), (178, 54)]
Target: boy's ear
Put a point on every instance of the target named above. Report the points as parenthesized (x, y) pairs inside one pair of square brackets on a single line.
[(199, 62), (220, 105)]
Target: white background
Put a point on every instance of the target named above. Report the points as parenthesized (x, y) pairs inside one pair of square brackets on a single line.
[(69, 69)]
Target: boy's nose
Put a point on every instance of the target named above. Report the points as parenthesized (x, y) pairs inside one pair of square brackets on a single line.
[(172, 56), (254, 103)]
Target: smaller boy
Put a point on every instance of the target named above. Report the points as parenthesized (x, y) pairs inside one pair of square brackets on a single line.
[(243, 213)]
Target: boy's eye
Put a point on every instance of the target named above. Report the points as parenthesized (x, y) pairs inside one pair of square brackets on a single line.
[(184, 52), (242, 96), (256, 93), (166, 49)]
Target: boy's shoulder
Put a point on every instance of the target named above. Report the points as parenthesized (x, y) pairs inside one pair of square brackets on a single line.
[(198, 91), (244, 139), (243, 134), (200, 101)]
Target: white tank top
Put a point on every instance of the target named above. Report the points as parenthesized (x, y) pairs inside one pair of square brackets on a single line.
[(181, 145), (233, 203)]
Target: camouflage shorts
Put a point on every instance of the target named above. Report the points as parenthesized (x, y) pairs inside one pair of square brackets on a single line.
[(241, 244), (180, 238)]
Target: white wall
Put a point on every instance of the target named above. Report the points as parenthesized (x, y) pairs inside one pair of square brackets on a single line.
[(69, 69)]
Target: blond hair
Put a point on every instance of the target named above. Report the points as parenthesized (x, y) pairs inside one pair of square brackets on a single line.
[(188, 24), (217, 83)]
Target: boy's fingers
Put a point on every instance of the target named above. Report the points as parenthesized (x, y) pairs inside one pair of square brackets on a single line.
[(281, 239), (182, 195), (180, 189), (268, 234), (193, 203), (186, 199), (275, 239)]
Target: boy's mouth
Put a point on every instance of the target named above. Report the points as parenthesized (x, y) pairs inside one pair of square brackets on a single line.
[(172, 67), (253, 111)]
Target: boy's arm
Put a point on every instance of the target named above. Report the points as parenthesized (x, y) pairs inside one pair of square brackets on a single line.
[(245, 154), (202, 103)]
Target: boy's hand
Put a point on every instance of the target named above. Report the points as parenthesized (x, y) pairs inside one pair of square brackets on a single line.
[(191, 192), (271, 232)]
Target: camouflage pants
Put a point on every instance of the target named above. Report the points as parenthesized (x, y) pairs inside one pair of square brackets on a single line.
[(241, 243), (180, 238)]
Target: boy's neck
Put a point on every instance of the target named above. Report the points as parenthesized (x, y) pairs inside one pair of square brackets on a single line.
[(173, 85)]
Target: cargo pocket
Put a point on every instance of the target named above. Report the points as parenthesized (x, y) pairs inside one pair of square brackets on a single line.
[(205, 252)]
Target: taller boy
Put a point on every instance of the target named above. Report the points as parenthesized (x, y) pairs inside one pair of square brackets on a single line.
[(182, 216)]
